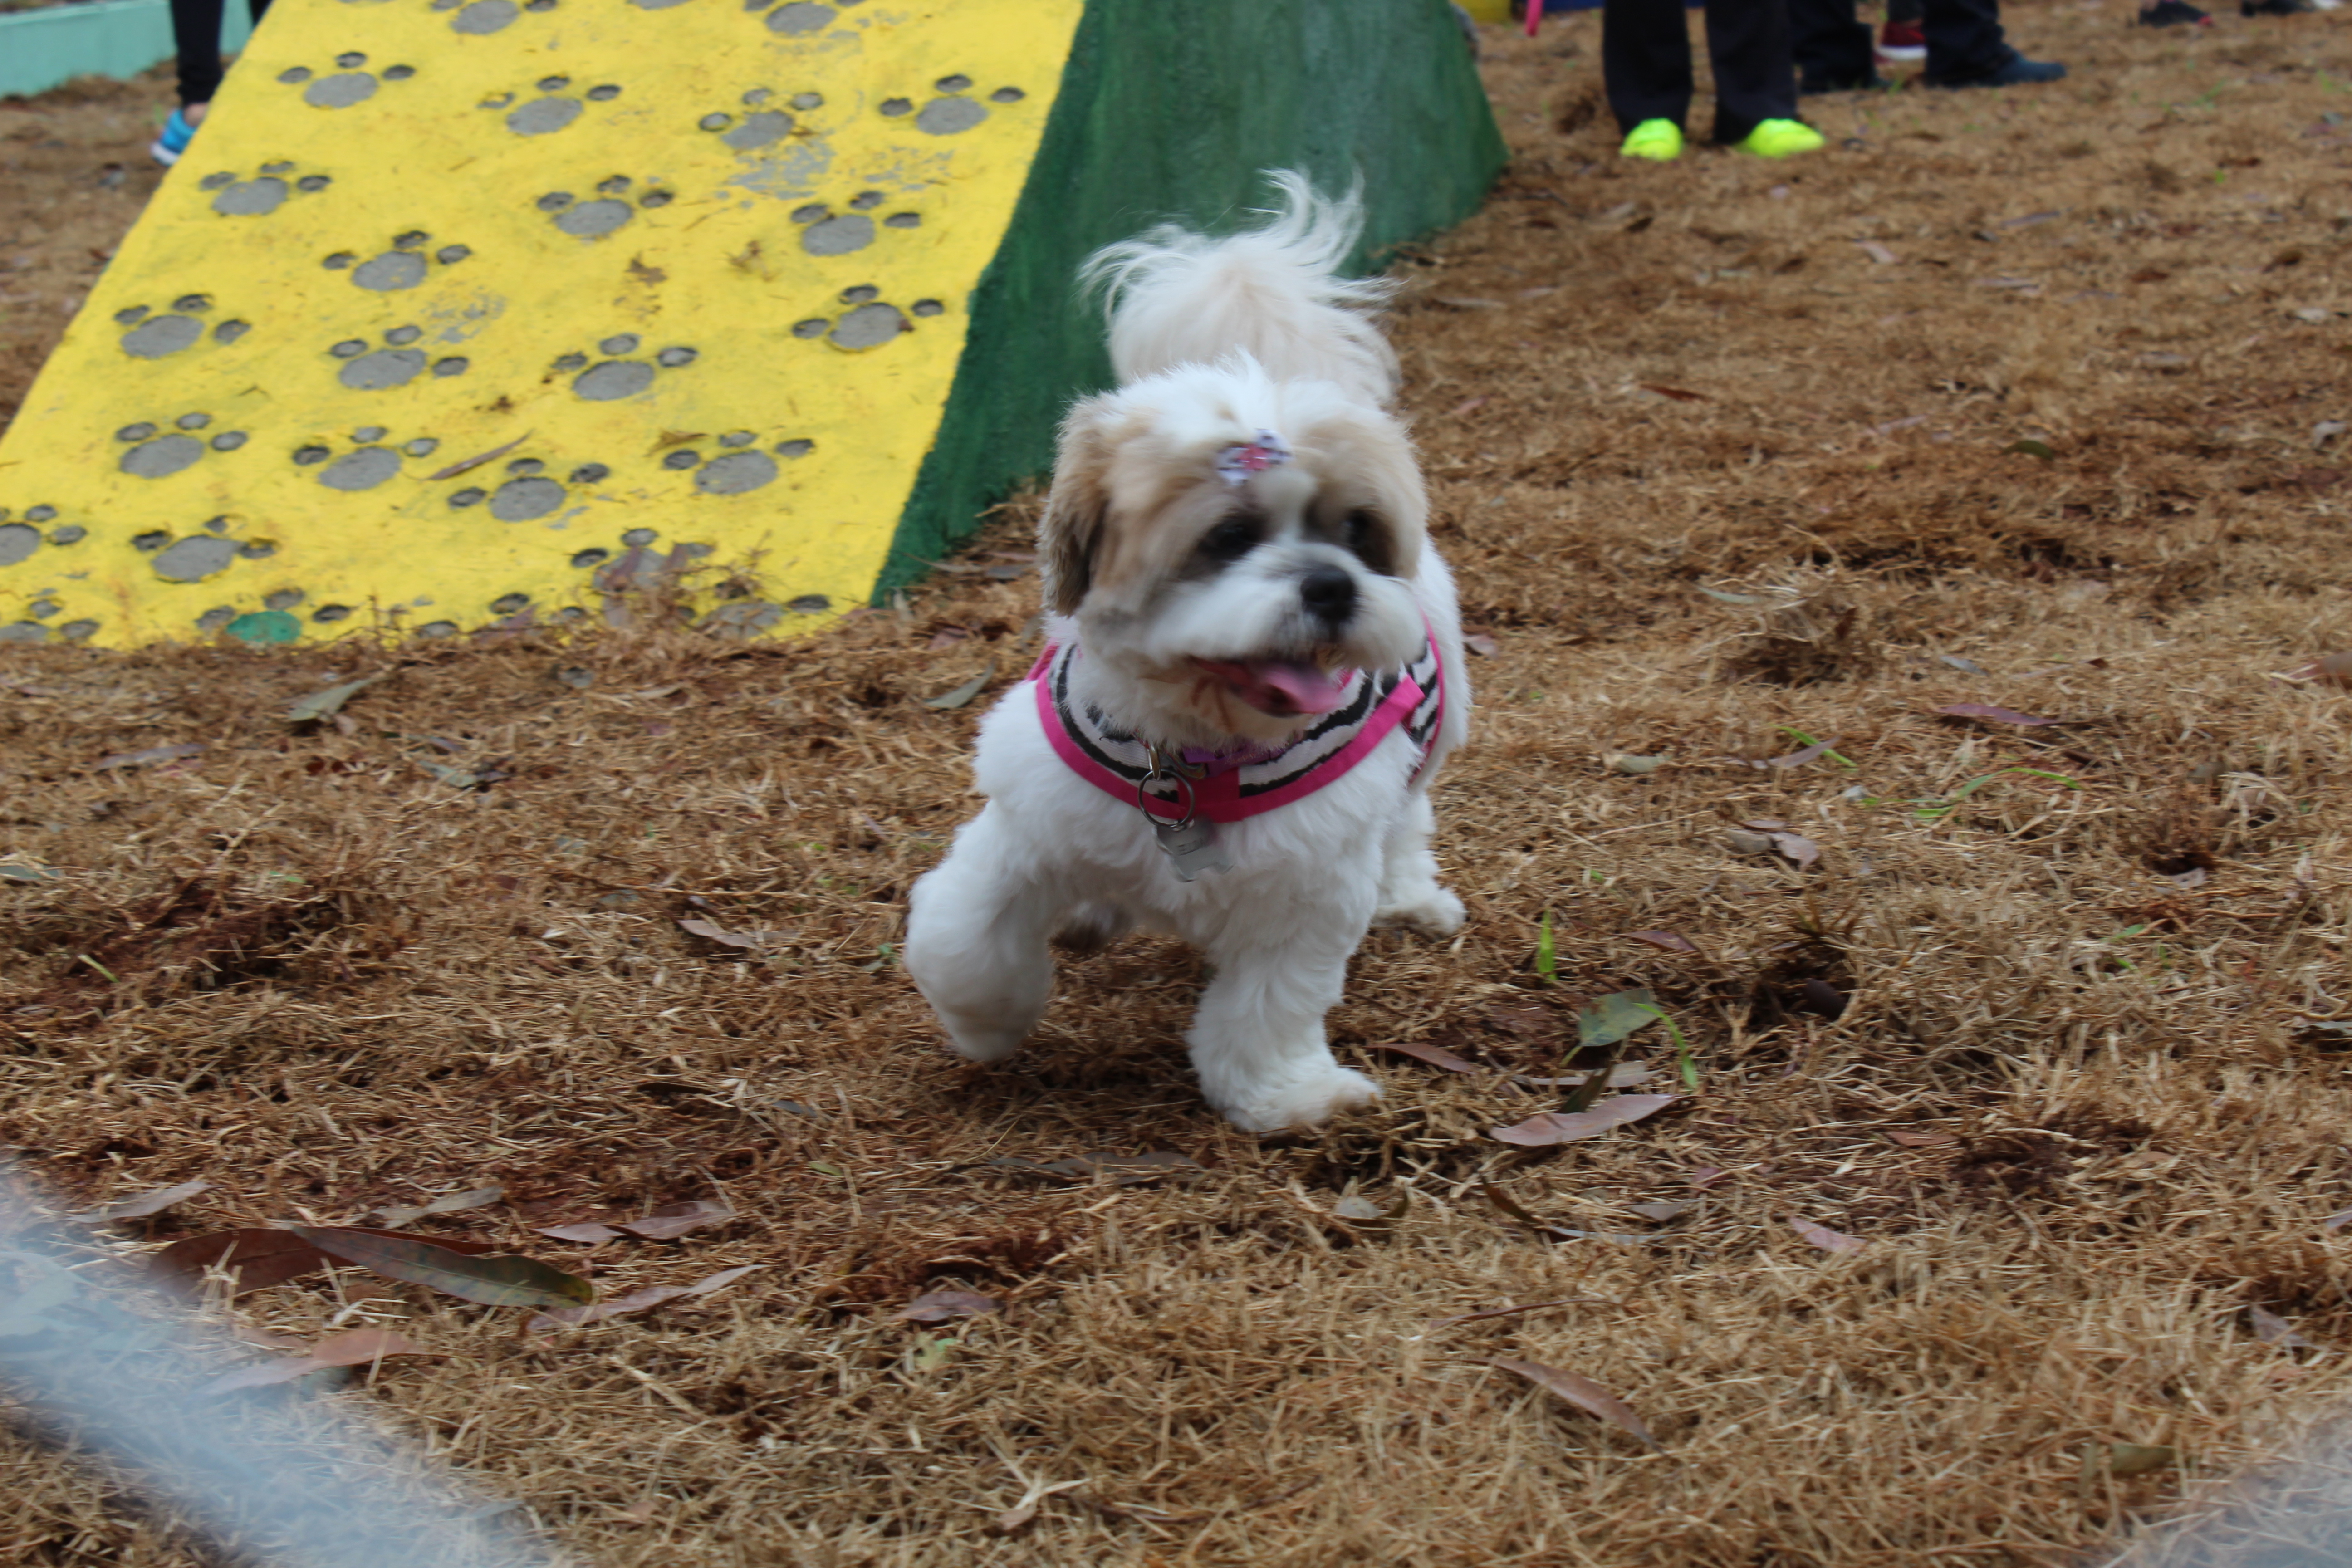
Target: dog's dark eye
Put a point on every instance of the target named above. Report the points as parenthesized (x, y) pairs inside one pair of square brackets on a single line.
[(1366, 538), (1231, 540)]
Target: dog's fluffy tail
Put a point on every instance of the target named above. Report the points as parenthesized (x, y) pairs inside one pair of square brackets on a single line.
[(1273, 292)]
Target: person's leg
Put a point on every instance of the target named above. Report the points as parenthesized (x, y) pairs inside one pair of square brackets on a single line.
[(196, 33), (1831, 49), (1966, 47), (1965, 39), (1748, 41), (1645, 61)]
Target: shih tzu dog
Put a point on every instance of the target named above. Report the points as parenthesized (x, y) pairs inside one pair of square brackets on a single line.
[(1254, 671)]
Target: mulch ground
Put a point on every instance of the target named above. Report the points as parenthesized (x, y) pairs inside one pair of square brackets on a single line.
[(1901, 571)]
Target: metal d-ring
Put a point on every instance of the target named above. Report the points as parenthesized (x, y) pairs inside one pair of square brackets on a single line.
[(1185, 787)]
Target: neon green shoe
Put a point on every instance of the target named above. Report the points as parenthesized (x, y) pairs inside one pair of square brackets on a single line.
[(1661, 140), (1781, 139)]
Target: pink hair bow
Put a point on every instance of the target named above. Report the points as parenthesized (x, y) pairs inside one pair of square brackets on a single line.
[(1239, 461)]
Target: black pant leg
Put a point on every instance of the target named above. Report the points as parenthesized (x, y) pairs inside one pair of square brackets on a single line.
[(1833, 50), (1645, 61), (1747, 42), (196, 35), (1964, 38)]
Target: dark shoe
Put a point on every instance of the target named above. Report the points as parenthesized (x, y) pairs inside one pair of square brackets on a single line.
[(2174, 14), (1812, 86), (2018, 72), (2275, 7)]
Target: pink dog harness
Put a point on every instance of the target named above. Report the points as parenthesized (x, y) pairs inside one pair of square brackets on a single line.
[(1226, 786)]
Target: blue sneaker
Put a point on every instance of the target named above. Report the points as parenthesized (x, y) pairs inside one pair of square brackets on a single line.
[(177, 132)]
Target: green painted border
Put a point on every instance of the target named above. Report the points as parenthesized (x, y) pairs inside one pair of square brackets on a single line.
[(45, 49), (1170, 108)]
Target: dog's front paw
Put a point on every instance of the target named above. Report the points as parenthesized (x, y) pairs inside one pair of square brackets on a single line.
[(1308, 1100), (984, 1045), (1428, 908)]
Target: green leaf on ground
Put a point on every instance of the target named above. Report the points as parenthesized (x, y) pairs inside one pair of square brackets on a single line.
[(1614, 1017), (2140, 1459)]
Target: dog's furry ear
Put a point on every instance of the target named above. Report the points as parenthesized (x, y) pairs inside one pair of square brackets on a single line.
[(1078, 507)]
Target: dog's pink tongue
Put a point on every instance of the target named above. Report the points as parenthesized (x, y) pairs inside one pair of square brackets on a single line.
[(1310, 687)]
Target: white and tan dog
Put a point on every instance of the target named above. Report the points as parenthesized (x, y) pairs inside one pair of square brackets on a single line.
[(1254, 672)]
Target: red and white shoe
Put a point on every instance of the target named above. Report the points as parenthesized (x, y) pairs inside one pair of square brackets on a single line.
[(1901, 43)]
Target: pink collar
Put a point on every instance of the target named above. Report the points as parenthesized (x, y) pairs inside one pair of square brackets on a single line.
[(1229, 786)]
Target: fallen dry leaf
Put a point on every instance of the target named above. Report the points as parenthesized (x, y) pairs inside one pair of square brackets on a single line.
[(1796, 847), (2273, 1329), (1927, 1140), (2138, 1458), (2335, 670), (1798, 759), (1876, 252), (1677, 394), (940, 1306), (1435, 1056), (323, 704), (960, 695), (1364, 1215), (1671, 940), (1480, 643), (448, 1203), (1584, 1393), (356, 1347), (147, 1204), (747, 939), (1567, 1126), (464, 464), (1825, 1238), (588, 1232), (636, 1301), (671, 1221), (149, 757)]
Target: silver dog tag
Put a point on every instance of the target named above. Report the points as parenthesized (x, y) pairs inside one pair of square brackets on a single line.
[(1192, 847)]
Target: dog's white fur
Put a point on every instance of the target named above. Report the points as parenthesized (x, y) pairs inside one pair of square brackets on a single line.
[(1214, 341)]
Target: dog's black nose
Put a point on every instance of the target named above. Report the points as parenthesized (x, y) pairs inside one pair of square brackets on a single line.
[(1328, 593)]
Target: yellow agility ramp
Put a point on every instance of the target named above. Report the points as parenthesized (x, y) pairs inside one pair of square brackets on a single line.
[(461, 312)]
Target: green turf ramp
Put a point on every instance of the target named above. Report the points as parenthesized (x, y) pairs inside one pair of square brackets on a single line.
[(1170, 108)]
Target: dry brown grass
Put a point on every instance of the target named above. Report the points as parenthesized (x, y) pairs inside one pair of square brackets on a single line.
[(2077, 1107)]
